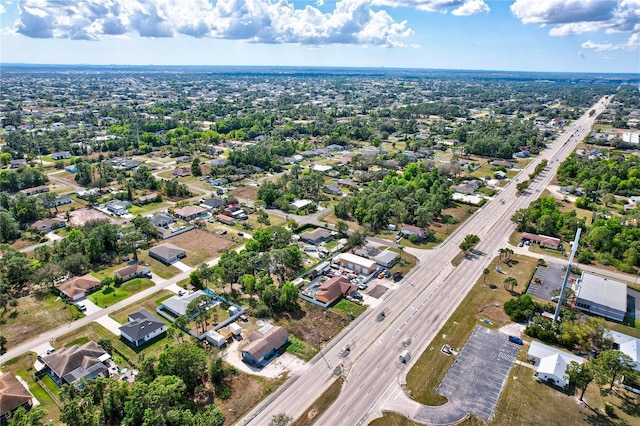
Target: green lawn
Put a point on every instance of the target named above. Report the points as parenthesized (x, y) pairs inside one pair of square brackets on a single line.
[(136, 210), (301, 348), (157, 267), (150, 303), (111, 295), (318, 407), (348, 308)]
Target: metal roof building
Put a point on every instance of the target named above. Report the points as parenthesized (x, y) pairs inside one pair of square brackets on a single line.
[(601, 296)]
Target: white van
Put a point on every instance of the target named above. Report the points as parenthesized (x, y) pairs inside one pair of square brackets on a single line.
[(405, 356)]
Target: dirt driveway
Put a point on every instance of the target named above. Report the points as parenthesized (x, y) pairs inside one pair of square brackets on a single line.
[(285, 363)]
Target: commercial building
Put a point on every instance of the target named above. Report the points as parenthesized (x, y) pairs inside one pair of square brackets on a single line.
[(358, 264), (601, 296)]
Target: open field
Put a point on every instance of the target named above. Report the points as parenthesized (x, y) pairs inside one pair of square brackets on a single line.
[(245, 193), (136, 210), (23, 366), (314, 325), (157, 267), (479, 304), (200, 246), (82, 216), (331, 218), (150, 304), (111, 295), (33, 316)]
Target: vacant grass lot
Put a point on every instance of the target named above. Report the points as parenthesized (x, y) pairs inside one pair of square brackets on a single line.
[(150, 303), (110, 295), (23, 366), (33, 316), (200, 246), (136, 210), (348, 308), (301, 349), (479, 304)]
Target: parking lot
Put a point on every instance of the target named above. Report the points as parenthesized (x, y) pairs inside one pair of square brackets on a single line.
[(551, 278), (476, 377)]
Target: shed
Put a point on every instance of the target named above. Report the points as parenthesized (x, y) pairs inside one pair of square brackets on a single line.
[(216, 339), (235, 328), (226, 332)]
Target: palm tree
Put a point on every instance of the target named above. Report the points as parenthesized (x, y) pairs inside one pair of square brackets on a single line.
[(485, 273)]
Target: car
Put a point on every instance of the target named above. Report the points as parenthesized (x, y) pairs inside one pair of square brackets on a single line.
[(81, 307), (180, 292), (240, 234), (362, 286), (357, 295), (224, 232), (516, 340)]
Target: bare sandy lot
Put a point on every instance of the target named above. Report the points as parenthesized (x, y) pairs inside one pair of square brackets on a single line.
[(246, 193), (200, 245), (82, 216)]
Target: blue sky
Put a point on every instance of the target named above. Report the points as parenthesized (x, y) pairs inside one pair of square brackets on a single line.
[(527, 35)]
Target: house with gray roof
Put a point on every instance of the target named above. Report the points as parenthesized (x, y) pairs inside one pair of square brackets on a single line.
[(142, 327), (387, 258), (177, 305), (167, 253), (264, 345), (70, 365)]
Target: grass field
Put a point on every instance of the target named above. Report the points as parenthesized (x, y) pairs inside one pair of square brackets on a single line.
[(157, 267), (348, 308), (300, 348), (150, 304), (35, 316), (480, 303), (23, 366), (136, 210), (111, 295)]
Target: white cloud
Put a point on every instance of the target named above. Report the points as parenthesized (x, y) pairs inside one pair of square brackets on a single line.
[(569, 17), (471, 7), (261, 21), (2, 9), (463, 7), (632, 44)]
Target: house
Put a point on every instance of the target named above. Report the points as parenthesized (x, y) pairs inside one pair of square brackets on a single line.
[(35, 190), (79, 287), (180, 172), (387, 259), (162, 220), (347, 183), (219, 162), (227, 220), (183, 159), (601, 296), (356, 263), (146, 199), (60, 155), (235, 211), (264, 345), (499, 174), (60, 201), (408, 230), (177, 305), (117, 207), (86, 194), (142, 327), (219, 181), (542, 240), (465, 188), (300, 204), (321, 168), (73, 364), (48, 225), (71, 169), (317, 236), (332, 189), (20, 162), (213, 204), (13, 395), (167, 253), (551, 363), (132, 271), (628, 345), (189, 212), (334, 288)]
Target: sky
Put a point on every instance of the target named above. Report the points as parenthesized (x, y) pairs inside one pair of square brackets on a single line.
[(518, 35)]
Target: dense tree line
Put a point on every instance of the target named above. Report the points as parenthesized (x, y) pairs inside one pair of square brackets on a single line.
[(502, 139), (23, 178), (415, 197), (618, 174), (543, 217)]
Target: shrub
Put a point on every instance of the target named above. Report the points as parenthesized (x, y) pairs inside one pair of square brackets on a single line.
[(608, 408)]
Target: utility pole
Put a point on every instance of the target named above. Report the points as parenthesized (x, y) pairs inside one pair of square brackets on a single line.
[(566, 276)]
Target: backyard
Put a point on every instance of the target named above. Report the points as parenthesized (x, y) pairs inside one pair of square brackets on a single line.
[(110, 295)]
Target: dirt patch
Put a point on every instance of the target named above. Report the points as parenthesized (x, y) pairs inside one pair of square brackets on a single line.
[(246, 392), (313, 324), (495, 313), (378, 291), (246, 193), (200, 245), (82, 216)]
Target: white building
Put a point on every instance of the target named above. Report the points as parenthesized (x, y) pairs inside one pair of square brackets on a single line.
[(358, 264), (601, 296), (551, 363)]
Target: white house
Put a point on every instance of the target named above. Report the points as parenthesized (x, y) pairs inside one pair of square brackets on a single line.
[(628, 345), (551, 363), (132, 271)]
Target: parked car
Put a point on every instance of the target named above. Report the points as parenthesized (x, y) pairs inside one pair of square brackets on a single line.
[(357, 295), (362, 287), (81, 307), (516, 340)]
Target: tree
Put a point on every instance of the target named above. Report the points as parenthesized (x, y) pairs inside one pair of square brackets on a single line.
[(580, 375), (195, 279), (195, 167), (610, 365), (281, 419), (33, 417), (342, 227), (3, 344), (9, 227), (485, 273), (206, 273), (510, 283), (186, 361), (469, 242)]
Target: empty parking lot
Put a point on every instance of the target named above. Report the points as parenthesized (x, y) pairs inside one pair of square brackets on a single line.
[(477, 375)]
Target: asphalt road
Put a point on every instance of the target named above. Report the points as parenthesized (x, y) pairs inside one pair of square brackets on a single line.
[(431, 293)]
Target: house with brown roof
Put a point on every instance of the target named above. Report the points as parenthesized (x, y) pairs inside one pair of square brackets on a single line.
[(48, 225), (189, 212), (264, 345), (13, 395), (35, 190), (78, 287), (542, 240), (78, 362), (408, 230), (334, 288), (227, 220), (132, 271), (180, 172)]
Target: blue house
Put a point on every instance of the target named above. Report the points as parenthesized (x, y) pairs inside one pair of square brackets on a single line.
[(264, 345)]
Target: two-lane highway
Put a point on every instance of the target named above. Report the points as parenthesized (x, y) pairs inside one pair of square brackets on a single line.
[(431, 293)]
